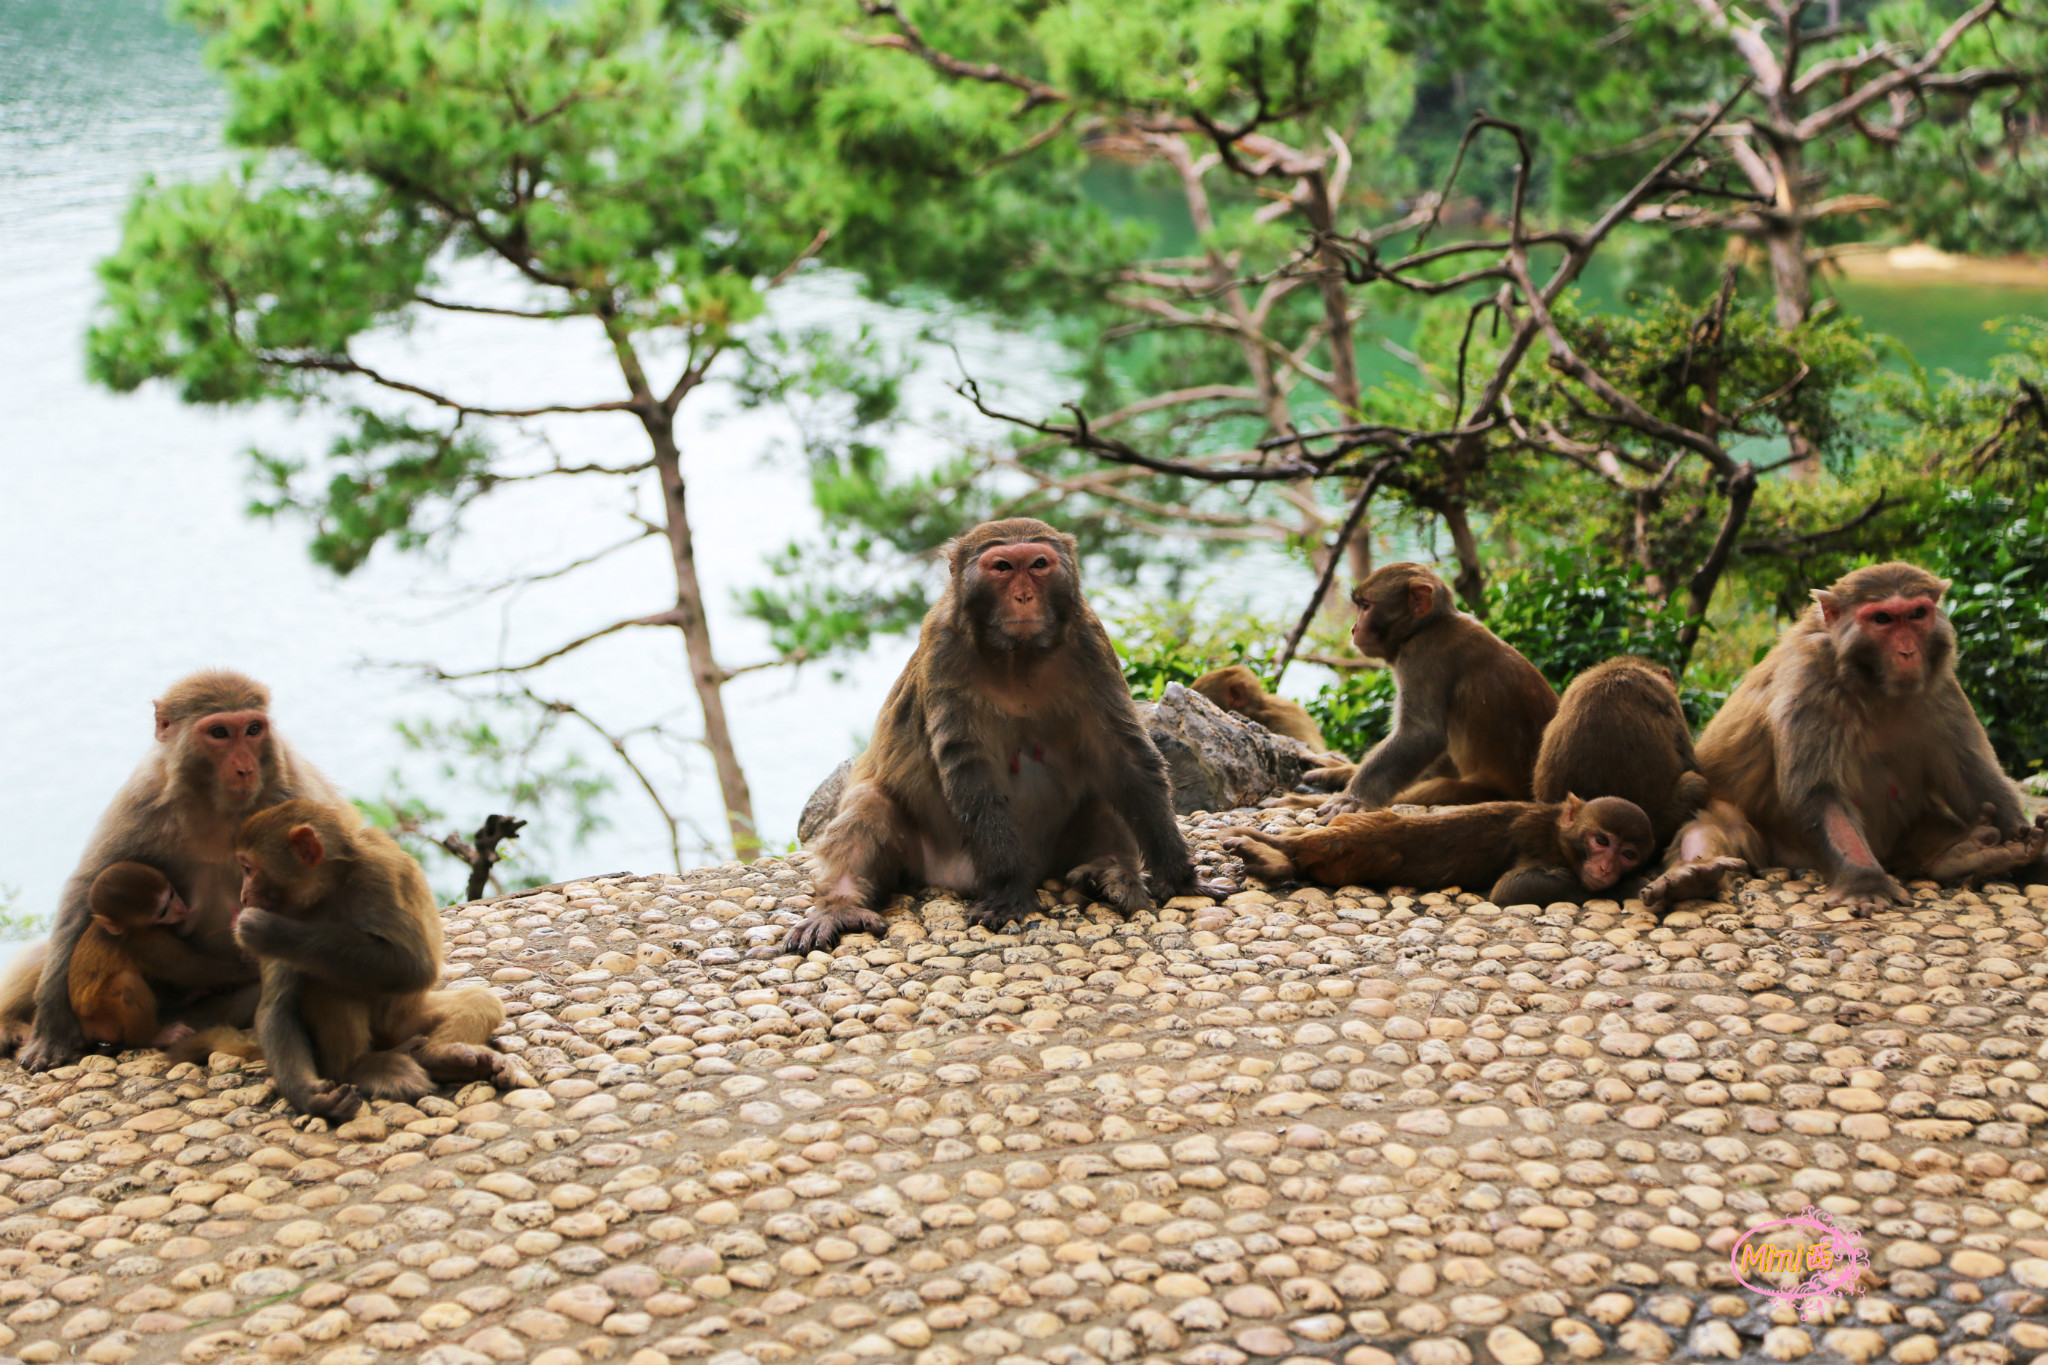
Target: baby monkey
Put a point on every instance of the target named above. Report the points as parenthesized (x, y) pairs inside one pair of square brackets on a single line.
[(1526, 851), (137, 935)]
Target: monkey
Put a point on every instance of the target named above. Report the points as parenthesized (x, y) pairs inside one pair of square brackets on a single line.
[(1460, 693), (1238, 689), (344, 927), (1619, 731), (1851, 749), (1525, 850), (217, 760), (1008, 752), (137, 937)]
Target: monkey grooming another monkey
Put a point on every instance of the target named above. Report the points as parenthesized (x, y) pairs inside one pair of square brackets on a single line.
[(1525, 851), (217, 760), (136, 938), (1460, 692), (1851, 749), (1009, 751), (345, 929), (1620, 731)]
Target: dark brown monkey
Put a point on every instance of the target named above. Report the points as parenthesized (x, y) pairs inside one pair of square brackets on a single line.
[(216, 761), (1852, 750), (1619, 731), (1008, 752), (136, 938), (1238, 689), (1524, 850), (345, 928), (1460, 692)]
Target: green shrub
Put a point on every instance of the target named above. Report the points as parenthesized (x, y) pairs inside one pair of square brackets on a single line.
[(1995, 548), (1356, 711)]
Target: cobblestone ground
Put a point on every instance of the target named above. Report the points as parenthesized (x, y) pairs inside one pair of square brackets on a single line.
[(1302, 1124)]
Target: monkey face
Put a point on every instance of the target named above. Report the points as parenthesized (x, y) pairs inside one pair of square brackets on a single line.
[(235, 742), (1902, 630), (172, 913), (1609, 834), (1370, 628), (1015, 588)]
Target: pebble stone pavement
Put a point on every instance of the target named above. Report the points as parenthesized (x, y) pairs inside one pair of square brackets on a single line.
[(1302, 1126)]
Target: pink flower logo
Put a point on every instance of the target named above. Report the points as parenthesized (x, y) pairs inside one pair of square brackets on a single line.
[(1809, 1261)]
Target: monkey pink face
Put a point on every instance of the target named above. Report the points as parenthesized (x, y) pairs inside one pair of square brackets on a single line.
[(1608, 859), (235, 741), (172, 912), (1018, 577), (1900, 626)]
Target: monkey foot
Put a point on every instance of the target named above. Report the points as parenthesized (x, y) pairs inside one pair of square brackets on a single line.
[(1293, 801), (997, 915), (334, 1102), (1330, 779), (466, 1062), (1700, 879), (172, 1034), (1261, 859), (820, 931), (1114, 882)]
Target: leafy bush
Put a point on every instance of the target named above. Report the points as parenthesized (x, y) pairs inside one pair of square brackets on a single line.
[(1566, 615), (1356, 711), (1169, 643), (16, 923), (1995, 548)]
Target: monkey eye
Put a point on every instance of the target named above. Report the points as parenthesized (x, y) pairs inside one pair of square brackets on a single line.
[(1039, 563), (255, 728), (1919, 613), (1599, 840), (217, 731), (1883, 618)]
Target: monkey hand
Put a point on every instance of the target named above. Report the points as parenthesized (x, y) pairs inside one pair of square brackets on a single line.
[(1332, 777), (1700, 879), (333, 1101), (49, 1047), (259, 933), (821, 930), (1343, 803), (1864, 891), (1002, 908)]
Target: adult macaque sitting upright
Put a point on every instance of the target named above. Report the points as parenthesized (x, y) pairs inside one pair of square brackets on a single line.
[(1460, 693), (1009, 752), (217, 760), (1851, 749)]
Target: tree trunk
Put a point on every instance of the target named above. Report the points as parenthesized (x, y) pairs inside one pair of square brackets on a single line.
[(1471, 580), (1785, 241), (704, 670)]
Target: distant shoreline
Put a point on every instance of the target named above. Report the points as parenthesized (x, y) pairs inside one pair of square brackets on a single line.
[(1922, 264)]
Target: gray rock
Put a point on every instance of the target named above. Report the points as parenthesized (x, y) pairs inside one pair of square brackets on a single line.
[(824, 801), (1219, 761)]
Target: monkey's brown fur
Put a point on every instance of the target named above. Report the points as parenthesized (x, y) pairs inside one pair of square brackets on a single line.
[(1009, 752), (1460, 692), (1525, 851), (1238, 689), (1619, 731), (177, 812), (1851, 749), (133, 943), (344, 927)]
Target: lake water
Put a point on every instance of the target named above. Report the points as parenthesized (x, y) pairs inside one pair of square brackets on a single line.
[(126, 561)]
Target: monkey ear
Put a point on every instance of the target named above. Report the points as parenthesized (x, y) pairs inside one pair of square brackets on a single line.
[(163, 722), (1421, 597), (305, 844), (108, 925), (1569, 812), (1943, 585), (1830, 605), (1239, 695)]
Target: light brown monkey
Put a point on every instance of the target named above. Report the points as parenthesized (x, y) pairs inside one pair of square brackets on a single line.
[(135, 941), (1851, 749), (1461, 692), (1525, 851), (344, 926), (217, 760), (1238, 689), (1009, 751), (1620, 731)]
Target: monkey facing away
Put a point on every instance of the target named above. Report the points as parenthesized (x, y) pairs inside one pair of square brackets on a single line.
[(1525, 851), (1460, 693), (217, 760), (1851, 749), (1237, 689), (1620, 731), (343, 924), (1009, 751)]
